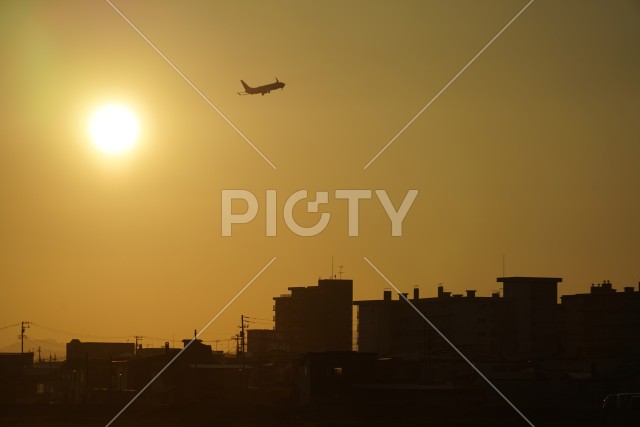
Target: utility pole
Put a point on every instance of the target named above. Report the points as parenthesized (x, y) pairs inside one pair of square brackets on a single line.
[(242, 338), (237, 340), (137, 337), (39, 358), (22, 336)]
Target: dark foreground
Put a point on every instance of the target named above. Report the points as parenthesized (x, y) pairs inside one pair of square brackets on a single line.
[(542, 403), (394, 414)]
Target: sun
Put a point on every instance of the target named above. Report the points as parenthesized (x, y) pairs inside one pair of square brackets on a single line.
[(114, 128)]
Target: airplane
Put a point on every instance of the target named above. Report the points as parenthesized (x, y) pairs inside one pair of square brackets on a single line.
[(248, 90)]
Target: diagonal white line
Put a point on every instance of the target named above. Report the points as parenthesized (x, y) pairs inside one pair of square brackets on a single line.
[(217, 110), (447, 85), (448, 341), (222, 310)]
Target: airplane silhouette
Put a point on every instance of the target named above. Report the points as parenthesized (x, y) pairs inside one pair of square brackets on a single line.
[(248, 90)]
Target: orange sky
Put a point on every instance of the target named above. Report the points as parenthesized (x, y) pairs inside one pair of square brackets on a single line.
[(532, 152)]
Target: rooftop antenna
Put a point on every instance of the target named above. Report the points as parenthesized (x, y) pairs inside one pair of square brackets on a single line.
[(333, 276), (340, 271)]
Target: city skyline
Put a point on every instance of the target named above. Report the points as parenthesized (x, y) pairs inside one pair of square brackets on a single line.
[(525, 163), (49, 345), (515, 343)]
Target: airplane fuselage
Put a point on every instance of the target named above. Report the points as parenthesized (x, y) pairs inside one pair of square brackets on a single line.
[(262, 89)]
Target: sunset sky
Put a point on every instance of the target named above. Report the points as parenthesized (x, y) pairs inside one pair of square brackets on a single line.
[(532, 153)]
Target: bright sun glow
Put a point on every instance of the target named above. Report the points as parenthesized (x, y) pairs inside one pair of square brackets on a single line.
[(114, 128)]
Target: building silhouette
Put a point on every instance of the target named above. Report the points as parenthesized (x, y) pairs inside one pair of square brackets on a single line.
[(15, 384), (602, 324), (316, 318), (477, 325), (80, 351), (547, 354), (523, 324), (94, 367), (535, 313), (261, 342)]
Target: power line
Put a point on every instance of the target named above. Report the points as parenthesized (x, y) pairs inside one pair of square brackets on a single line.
[(46, 346), (77, 333), (258, 318), (221, 339), (248, 321), (10, 326), (252, 322), (148, 337)]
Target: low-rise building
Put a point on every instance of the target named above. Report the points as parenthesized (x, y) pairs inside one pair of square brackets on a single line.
[(476, 325), (602, 324)]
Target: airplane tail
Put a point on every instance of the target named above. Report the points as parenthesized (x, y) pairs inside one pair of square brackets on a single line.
[(246, 86)]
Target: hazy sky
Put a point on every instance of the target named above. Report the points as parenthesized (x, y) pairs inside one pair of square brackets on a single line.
[(532, 153)]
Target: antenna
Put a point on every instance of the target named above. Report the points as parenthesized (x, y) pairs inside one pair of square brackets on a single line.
[(340, 271), (332, 275)]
